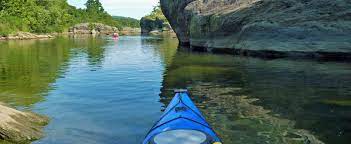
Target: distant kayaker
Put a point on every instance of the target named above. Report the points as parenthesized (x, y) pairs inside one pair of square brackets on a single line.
[(115, 35)]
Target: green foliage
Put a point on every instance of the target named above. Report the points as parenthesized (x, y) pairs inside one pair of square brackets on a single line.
[(92, 26), (156, 14), (126, 22), (10, 24), (94, 6), (4, 30), (155, 20), (38, 16), (45, 16)]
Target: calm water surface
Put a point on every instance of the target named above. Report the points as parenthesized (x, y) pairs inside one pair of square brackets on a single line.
[(101, 90)]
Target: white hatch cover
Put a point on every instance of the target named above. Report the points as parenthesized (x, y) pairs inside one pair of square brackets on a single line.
[(180, 137)]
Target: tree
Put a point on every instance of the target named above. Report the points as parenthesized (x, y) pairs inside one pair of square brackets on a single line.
[(42, 16), (94, 6)]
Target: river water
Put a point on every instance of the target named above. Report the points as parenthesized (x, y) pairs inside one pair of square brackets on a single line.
[(101, 90)]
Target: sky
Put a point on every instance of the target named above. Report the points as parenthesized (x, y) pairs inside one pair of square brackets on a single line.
[(128, 8)]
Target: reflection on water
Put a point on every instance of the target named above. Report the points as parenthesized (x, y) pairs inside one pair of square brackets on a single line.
[(251, 100), (100, 90), (109, 92), (29, 67)]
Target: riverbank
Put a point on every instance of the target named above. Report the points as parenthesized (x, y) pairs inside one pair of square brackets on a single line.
[(26, 36), (31, 36), (20, 127)]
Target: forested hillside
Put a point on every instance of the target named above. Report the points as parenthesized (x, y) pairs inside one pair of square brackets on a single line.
[(126, 22), (45, 16)]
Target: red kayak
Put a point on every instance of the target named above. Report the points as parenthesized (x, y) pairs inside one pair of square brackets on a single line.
[(115, 35)]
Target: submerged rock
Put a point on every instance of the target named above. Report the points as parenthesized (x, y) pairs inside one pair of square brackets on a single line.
[(237, 120), (298, 26), (20, 127)]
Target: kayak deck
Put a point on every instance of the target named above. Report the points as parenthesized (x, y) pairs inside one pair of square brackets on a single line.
[(181, 123)]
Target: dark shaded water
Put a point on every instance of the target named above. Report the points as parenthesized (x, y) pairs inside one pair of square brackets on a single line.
[(100, 90)]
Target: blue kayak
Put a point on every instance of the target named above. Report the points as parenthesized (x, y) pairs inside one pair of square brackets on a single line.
[(181, 123)]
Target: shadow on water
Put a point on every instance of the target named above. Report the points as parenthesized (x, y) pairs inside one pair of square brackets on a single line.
[(249, 100)]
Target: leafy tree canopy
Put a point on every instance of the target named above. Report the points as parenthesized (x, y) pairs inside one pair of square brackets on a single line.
[(44, 16), (156, 14), (154, 21), (94, 6), (127, 21)]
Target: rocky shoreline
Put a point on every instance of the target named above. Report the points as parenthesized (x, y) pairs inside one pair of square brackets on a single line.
[(92, 28), (79, 29), (20, 127), (26, 36), (130, 31), (31, 36)]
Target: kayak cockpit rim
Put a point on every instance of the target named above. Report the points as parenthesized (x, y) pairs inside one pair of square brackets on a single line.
[(180, 91), (181, 115), (181, 136)]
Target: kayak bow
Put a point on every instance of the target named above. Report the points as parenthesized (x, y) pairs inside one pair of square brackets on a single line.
[(181, 123)]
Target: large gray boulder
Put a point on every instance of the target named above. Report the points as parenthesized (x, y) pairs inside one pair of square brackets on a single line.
[(295, 26), (20, 127)]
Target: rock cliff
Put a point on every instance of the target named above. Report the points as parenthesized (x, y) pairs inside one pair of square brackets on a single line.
[(321, 27), (155, 23)]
